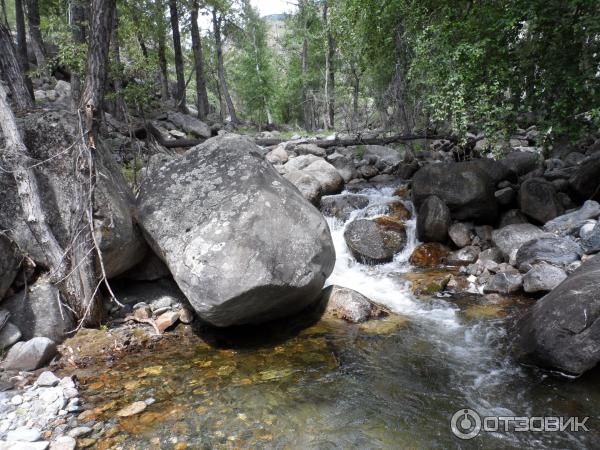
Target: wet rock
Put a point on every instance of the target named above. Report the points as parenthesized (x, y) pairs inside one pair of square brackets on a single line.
[(222, 218), (428, 283), (277, 156), (460, 234), (399, 211), (560, 331), (37, 312), (504, 283), (78, 432), (510, 238), (47, 379), (543, 278), (30, 355), (310, 149), (551, 249), (373, 242), (23, 445), (467, 191), (429, 255), (166, 320), (309, 186), (341, 206), (349, 305), (568, 223), (463, 257), (132, 410), (433, 220), (538, 200)]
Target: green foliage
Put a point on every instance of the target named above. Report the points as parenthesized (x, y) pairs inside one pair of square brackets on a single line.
[(251, 68)]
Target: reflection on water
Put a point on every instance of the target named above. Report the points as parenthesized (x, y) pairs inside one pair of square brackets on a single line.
[(306, 383)]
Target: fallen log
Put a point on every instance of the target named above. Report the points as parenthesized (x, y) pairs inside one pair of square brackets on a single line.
[(324, 143), (177, 143)]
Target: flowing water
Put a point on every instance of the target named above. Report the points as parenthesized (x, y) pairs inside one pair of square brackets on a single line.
[(306, 383)]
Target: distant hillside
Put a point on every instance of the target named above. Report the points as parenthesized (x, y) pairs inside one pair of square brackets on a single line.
[(275, 17)]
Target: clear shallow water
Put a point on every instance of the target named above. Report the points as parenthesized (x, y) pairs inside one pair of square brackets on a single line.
[(306, 383)]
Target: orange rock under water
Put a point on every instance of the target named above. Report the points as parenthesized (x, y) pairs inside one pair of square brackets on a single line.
[(429, 255)]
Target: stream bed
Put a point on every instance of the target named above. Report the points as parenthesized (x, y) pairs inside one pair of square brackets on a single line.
[(314, 383)]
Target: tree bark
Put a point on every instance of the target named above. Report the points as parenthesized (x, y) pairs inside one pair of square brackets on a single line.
[(201, 95), (180, 96), (119, 112), (97, 65), (330, 70), (33, 20), (9, 65), (76, 18), (217, 22), (22, 44), (72, 269)]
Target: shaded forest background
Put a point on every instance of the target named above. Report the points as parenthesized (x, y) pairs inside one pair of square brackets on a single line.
[(404, 65)]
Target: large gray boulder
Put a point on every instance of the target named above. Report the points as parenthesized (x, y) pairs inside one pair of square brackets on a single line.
[(510, 238), (554, 250), (241, 242), (9, 264), (374, 241), (539, 201), (48, 135), (37, 312), (433, 220), (309, 186), (522, 163), (466, 189), (562, 330), (571, 222)]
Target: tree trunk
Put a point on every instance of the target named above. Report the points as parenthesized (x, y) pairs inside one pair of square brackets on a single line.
[(329, 70), (4, 16), (72, 269), (77, 19), (164, 70), (33, 20), (97, 65), (119, 112), (306, 100), (9, 65), (201, 95), (180, 96), (217, 21), (22, 44)]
